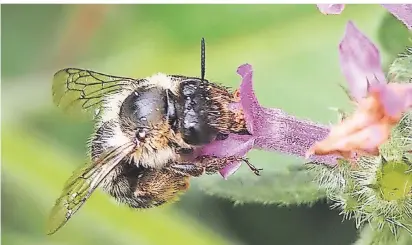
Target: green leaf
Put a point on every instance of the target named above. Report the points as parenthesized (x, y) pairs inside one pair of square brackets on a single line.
[(34, 172), (384, 236), (393, 35), (292, 185)]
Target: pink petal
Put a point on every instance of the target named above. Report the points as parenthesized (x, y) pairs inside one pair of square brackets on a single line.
[(230, 169), (396, 98), (331, 8), (376, 135), (360, 62), (391, 102), (401, 11), (234, 145), (237, 145), (248, 100), (407, 96)]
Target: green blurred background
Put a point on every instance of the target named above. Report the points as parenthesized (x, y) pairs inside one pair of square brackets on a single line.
[(293, 49)]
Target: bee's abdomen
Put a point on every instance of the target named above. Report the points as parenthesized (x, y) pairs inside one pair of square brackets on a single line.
[(141, 187)]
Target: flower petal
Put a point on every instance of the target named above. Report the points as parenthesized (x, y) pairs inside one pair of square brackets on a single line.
[(248, 100), (391, 102), (401, 11), (230, 169), (360, 62), (330, 8), (395, 98), (407, 95), (234, 145), (370, 125), (366, 141)]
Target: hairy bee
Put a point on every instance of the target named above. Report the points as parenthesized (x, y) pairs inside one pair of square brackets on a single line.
[(146, 132)]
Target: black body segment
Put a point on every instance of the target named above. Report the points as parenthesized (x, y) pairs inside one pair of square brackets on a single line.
[(194, 104)]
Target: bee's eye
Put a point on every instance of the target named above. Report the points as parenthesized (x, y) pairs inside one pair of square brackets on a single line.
[(141, 134)]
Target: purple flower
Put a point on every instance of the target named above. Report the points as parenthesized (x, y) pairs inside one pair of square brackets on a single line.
[(401, 11), (380, 105), (331, 8), (271, 130)]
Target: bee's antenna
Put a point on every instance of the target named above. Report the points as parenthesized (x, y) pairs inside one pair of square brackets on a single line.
[(203, 59)]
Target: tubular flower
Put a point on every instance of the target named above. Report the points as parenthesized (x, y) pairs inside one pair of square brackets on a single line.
[(270, 129), (363, 161), (401, 11)]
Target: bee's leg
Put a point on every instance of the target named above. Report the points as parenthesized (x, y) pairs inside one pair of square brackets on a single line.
[(213, 164), (184, 151), (187, 169), (210, 165)]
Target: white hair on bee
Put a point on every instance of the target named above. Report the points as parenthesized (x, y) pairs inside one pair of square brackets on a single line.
[(110, 112), (164, 81), (113, 102), (118, 138), (157, 159)]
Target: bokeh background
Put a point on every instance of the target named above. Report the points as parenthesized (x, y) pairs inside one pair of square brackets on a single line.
[(293, 49)]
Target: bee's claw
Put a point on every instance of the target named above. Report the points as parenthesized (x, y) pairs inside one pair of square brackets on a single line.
[(255, 170)]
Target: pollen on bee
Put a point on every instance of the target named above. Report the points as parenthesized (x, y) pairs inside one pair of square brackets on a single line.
[(236, 95)]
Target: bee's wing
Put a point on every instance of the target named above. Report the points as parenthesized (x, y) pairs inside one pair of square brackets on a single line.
[(81, 185), (77, 90)]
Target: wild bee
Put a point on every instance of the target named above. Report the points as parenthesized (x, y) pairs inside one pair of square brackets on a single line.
[(146, 131)]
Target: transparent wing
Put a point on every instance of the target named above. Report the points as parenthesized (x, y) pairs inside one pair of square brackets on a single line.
[(81, 185), (77, 90)]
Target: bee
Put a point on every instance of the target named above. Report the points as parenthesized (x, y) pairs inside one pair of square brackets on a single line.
[(142, 152)]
